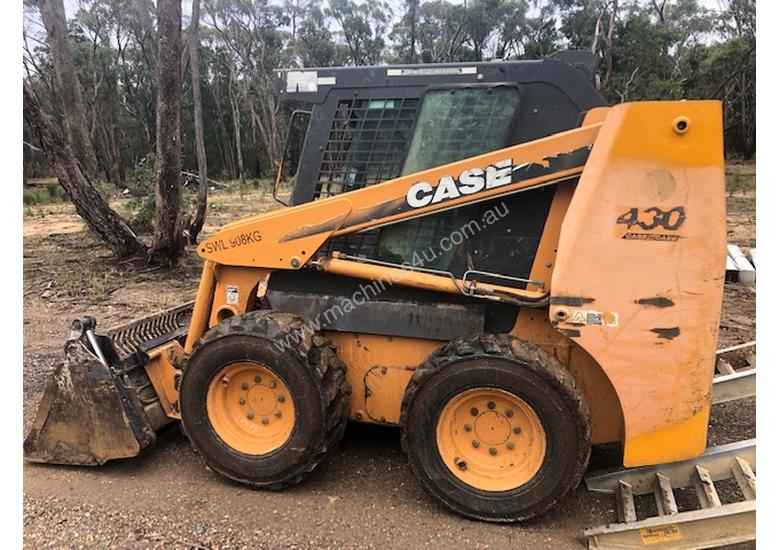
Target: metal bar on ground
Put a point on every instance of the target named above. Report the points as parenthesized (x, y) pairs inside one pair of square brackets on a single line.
[(626, 508), (717, 461), (711, 527), (723, 366), (729, 387), (745, 477), (736, 348), (705, 488), (664, 496)]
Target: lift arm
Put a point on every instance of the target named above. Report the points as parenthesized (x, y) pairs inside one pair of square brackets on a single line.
[(288, 238)]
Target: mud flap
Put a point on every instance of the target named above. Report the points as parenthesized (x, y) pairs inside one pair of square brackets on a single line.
[(87, 415)]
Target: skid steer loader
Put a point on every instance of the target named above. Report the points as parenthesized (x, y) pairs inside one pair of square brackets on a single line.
[(483, 254)]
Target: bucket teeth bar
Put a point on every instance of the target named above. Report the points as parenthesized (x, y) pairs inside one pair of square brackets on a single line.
[(148, 332)]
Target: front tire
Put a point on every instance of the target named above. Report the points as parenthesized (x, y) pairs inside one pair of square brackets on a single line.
[(495, 428), (259, 413)]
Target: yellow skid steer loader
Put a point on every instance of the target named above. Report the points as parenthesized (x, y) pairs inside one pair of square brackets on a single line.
[(483, 254)]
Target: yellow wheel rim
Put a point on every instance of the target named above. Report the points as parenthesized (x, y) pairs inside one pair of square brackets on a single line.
[(491, 439), (250, 408)]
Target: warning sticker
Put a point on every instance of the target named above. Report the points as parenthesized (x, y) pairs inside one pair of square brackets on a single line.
[(579, 318), (664, 533), (585, 317), (232, 295)]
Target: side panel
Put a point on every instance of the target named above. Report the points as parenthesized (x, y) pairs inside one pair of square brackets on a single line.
[(638, 280), (606, 418), (378, 370)]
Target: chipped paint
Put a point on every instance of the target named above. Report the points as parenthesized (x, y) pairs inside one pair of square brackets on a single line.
[(656, 301), (308, 230), (574, 301), (667, 333)]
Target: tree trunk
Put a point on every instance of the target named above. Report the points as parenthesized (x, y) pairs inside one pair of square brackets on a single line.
[(413, 30), (267, 121), (100, 218), (170, 223), (236, 123), (608, 44), (200, 147), (53, 15), (223, 143), (114, 168)]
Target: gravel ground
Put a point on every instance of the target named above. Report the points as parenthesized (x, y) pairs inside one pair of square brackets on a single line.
[(364, 497)]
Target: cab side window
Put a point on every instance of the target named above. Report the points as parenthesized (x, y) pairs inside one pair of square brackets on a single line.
[(452, 125)]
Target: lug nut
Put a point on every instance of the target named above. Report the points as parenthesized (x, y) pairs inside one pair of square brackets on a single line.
[(244, 386), (278, 414), (509, 413), (474, 411), (257, 379), (242, 401), (272, 384), (250, 415), (264, 421), (516, 430), (492, 451), (461, 464), (491, 405), (467, 427), (510, 445), (475, 443), (280, 399)]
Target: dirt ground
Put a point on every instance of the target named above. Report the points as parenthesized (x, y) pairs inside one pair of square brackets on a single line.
[(365, 497)]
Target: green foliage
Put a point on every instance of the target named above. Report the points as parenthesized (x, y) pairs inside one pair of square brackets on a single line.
[(50, 193), (139, 209), (314, 43), (684, 50), (363, 26)]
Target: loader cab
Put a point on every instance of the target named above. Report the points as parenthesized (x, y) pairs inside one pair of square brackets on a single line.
[(371, 124)]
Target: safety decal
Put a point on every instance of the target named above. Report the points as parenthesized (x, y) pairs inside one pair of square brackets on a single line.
[(232, 295), (664, 533), (590, 317)]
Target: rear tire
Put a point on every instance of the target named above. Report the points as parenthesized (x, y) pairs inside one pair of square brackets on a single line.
[(495, 428), (261, 414)]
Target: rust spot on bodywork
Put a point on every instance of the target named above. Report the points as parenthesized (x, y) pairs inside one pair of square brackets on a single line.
[(657, 301), (575, 301), (667, 333), (308, 230), (377, 212)]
